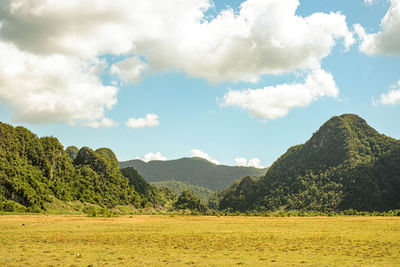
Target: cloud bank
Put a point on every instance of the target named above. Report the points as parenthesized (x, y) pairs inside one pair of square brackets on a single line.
[(50, 50)]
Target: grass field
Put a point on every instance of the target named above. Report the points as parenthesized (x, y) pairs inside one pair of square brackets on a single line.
[(40, 240)]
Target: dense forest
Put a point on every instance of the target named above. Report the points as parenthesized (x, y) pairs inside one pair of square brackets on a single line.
[(195, 171), (345, 165), (34, 171), (178, 187)]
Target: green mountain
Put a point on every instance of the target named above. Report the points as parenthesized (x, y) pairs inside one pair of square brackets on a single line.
[(195, 171), (34, 171), (178, 187), (345, 165)]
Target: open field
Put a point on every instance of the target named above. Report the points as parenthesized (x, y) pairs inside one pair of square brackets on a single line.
[(200, 241)]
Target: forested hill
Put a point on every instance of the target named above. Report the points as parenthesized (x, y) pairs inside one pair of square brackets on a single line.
[(178, 187), (195, 171), (34, 170), (345, 165)]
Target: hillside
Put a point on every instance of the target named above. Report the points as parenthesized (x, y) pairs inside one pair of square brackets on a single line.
[(178, 187), (195, 171), (345, 165), (35, 171)]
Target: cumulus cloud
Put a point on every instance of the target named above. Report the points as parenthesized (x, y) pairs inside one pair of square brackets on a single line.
[(103, 123), (273, 102), (129, 70), (69, 37), (150, 120), (386, 41), (243, 162), (200, 154), (264, 37), (153, 156), (392, 97), (52, 88)]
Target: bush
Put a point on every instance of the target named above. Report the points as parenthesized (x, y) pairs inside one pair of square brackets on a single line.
[(11, 206), (90, 211)]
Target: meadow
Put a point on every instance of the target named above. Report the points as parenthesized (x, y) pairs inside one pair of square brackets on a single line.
[(62, 240)]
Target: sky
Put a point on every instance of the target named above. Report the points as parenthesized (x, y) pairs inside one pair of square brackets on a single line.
[(234, 82)]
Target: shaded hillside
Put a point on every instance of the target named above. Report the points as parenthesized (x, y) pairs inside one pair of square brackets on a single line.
[(178, 187), (346, 164), (195, 171), (36, 170)]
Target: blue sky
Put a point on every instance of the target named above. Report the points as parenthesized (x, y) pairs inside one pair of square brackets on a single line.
[(233, 108)]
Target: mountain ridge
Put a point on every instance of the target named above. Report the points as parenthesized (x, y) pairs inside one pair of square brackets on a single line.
[(196, 171)]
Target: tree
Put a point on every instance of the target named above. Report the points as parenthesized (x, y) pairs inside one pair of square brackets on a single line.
[(189, 201)]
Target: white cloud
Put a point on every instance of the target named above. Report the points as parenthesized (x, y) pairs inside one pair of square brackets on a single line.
[(264, 37), (392, 97), (242, 162), (154, 156), (200, 154), (52, 88), (387, 41), (276, 101), (61, 42), (130, 69), (150, 120), (103, 123), (256, 163)]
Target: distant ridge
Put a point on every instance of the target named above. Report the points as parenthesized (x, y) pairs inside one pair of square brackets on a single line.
[(196, 171)]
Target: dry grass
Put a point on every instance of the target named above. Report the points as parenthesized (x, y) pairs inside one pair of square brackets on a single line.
[(201, 241)]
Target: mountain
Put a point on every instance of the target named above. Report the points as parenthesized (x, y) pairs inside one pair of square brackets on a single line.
[(34, 171), (345, 165), (195, 171), (178, 187)]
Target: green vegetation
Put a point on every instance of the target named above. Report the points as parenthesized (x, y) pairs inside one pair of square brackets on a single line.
[(195, 171), (189, 201), (37, 171), (345, 165), (178, 187), (38, 240), (72, 152), (155, 195)]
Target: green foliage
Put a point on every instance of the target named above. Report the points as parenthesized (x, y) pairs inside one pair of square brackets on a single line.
[(195, 171), (11, 206), (345, 165), (239, 197), (95, 211), (34, 171), (189, 201), (72, 152), (151, 194), (178, 187)]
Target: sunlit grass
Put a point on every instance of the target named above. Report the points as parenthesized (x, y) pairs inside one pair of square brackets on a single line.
[(200, 241)]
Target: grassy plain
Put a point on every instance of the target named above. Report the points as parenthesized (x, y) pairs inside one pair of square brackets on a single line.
[(57, 240)]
